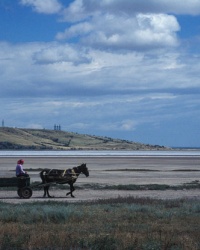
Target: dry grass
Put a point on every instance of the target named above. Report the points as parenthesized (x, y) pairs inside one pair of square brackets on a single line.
[(123, 223), (18, 138)]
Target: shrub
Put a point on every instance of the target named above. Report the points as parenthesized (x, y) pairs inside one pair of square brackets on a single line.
[(122, 223)]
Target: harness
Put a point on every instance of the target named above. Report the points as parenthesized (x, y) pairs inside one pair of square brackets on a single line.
[(73, 173), (64, 172)]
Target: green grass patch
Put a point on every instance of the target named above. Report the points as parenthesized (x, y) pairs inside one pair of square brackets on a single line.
[(118, 224), (133, 170), (185, 186), (185, 170), (96, 186)]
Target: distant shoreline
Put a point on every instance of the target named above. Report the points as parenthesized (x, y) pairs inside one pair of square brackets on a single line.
[(100, 153)]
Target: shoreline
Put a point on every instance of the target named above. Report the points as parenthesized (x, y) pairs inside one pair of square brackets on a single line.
[(98, 153)]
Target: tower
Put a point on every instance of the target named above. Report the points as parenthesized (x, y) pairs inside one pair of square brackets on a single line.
[(57, 127)]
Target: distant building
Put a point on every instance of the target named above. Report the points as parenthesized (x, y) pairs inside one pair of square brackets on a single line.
[(2, 123)]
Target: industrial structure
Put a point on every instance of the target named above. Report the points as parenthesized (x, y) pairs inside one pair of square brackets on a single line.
[(57, 127)]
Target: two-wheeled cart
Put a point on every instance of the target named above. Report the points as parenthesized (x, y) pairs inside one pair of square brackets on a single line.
[(24, 189), (22, 184)]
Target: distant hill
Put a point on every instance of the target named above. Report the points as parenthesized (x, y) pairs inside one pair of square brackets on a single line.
[(43, 139)]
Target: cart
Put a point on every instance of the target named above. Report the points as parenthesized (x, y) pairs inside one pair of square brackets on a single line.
[(24, 189), (21, 183)]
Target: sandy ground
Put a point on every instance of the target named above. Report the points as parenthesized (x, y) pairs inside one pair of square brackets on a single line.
[(112, 171)]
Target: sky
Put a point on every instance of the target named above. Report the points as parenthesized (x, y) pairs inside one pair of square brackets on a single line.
[(125, 69)]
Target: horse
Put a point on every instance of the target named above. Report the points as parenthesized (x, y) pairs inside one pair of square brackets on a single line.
[(59, 176)]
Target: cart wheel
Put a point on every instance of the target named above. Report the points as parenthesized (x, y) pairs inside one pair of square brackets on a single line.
[(26, 192), (19, 192)]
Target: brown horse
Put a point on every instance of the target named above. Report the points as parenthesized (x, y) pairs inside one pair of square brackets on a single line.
[(58, 176)]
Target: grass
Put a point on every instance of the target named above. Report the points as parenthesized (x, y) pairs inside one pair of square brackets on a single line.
[(133, 170), (160, 187), (122, 223), (186, 186), (43, 139), (150, 170)]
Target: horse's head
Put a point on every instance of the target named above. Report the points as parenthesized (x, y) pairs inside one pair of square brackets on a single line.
[(84, 169)]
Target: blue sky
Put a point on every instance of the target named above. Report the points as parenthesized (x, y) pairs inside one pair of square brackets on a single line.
[(125, 69)]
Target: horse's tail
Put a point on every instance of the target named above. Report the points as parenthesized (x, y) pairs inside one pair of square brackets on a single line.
[(42, 174)]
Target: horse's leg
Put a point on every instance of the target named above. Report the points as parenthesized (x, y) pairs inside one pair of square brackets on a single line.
[(71, 190), (47, 190)]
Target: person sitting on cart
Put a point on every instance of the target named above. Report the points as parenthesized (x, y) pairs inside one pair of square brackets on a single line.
[(19, 169)]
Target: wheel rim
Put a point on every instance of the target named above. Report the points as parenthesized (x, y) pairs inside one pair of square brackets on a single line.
[(26, 193)]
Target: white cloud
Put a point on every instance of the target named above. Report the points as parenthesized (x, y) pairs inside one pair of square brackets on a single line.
[(135, 6), (128, 125), (79, 29), (58, 53), (37, 69), (34, 126), (76, 11), (122, 69), (113, 32), (43, 6), (82, 9)]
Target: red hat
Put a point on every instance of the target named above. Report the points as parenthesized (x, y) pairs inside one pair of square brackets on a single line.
[(20, 161)]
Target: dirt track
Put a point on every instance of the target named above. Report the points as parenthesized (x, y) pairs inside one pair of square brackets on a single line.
[(113, 171)]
